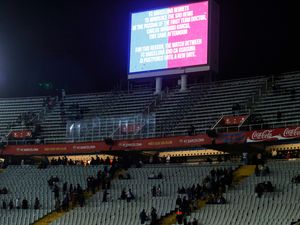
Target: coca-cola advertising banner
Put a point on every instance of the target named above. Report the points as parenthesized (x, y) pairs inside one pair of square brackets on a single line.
[(273, 134), (92, 147)]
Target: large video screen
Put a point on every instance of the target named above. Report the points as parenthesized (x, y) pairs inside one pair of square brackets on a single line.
[(173, 37)]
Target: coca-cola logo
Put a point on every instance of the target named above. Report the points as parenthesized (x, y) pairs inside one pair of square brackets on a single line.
[(291, 132), (262, 135)]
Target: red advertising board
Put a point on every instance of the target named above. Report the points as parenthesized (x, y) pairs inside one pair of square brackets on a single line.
[(20, 134), (155, 143), (92, 147), (276, 134), (233, 120)]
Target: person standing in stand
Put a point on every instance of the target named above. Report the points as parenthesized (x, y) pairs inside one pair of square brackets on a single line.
[(143, 216)]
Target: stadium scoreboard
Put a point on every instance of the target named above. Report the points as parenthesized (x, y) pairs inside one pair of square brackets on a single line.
[(171, 40)]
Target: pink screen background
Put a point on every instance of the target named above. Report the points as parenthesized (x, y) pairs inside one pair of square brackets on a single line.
[(199, 29)]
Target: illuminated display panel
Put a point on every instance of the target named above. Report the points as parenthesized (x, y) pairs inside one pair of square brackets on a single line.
[(168, 38)]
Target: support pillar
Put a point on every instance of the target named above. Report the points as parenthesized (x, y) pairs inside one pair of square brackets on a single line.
[(183, 83), (158, 85)]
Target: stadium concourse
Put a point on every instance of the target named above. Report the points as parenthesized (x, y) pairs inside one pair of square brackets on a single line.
[(103, 158)]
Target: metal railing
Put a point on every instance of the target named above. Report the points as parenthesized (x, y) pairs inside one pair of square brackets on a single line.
[(52, 138), (263, 126)]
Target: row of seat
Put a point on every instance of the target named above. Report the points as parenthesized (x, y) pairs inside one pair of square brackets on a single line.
[(29, 182), (243, 207), (117, 211)]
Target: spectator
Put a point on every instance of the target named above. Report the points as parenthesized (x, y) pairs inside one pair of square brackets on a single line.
[(3, 204), (65, 187), (71, 189), (143, 216), (11, 204), (24, 204), (181, 190), (17, 203), (266, 170), (80, 195), (179, 216), (56, 191), (195, 222), (245, 157), (185, 205), (269, 186), (3, 191), (296, 179), (185, 222), (259, 190), (257, 172), (151, 176), (158, 191), (274, 153), (130, 195), (37, 204), (153, 216), (57, 205), (168, 159), (123, 194), (65, 203), (105, 193), (159, 176), (279, 115), (221, 200), (191, 130), (178, 202), (153, 190)]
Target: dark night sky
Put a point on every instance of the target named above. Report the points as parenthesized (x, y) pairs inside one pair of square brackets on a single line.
[(83, 46)]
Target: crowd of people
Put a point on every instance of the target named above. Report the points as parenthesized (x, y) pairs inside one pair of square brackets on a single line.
[(156, 191), (283, 154), (155, 176), (3, 191), (127, 195), (296, 179), (211, 190), (102, 179), (262, 187), (262, 170), (72, 195), (18, 204), (93, 161), (152, 218)]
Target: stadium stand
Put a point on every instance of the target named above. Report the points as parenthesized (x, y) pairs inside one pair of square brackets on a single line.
[(29, 182), (207, 103), (108, 107), (172, 112), (243, 207), (117, 211), (279, 106), (12, 108)]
